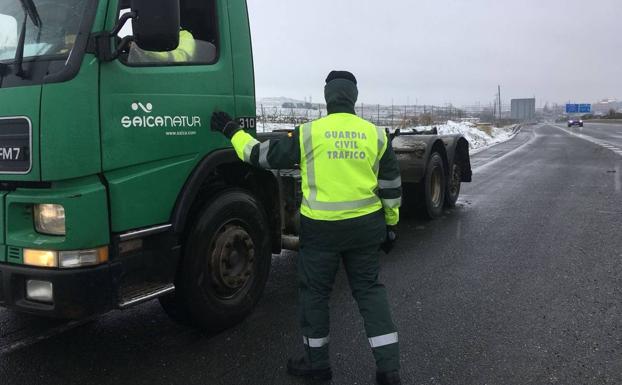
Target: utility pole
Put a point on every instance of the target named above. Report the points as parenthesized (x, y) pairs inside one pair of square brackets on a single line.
[(263, 119), (391, 113), (494, 113), (500, 116), (378, 118)]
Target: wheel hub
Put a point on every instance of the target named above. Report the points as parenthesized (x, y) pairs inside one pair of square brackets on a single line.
[(232, 259)]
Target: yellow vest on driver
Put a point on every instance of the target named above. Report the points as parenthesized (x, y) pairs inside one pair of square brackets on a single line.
[(184, 53), (340, 158)]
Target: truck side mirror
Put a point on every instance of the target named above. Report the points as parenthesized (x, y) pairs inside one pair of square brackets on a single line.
[(156, 24)]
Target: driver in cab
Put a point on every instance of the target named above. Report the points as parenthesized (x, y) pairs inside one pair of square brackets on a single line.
[(184, 53)]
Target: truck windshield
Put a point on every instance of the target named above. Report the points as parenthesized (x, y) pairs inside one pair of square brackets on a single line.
[(60, 23)]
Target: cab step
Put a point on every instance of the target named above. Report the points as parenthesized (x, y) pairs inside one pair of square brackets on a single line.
[(144, 294)]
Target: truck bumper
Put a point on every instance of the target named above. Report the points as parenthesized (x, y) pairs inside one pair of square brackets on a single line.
[(77, 293)]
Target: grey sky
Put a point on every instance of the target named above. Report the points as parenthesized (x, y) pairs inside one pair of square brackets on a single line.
[(440, 51)]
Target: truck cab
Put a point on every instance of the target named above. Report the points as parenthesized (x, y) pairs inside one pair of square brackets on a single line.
[(107, 161)]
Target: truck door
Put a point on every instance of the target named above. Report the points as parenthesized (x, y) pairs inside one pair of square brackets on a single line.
[(156, 109)]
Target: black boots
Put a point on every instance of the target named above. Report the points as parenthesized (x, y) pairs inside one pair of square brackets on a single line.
[(301, 367), (388, 378)]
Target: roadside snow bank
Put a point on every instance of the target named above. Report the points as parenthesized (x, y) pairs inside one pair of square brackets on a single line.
[(479, 140)]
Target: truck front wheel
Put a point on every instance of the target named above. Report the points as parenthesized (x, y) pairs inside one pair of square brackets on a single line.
[(225, 264)]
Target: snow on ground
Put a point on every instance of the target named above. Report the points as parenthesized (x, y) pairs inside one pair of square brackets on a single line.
[(479, 139), (269, 127)]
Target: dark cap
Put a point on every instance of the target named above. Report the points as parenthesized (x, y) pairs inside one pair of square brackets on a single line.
[(341, 75)]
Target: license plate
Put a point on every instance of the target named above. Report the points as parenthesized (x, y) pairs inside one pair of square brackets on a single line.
[(15, 142), (17, 154)]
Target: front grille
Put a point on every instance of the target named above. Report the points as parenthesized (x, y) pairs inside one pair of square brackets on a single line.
[(14, 255), (15, 145)]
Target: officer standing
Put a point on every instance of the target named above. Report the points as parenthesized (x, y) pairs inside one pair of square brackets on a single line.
[(351, 196)]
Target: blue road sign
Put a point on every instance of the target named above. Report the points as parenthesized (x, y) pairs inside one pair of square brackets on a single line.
[(585, 108), (572, 108), (578, 108)]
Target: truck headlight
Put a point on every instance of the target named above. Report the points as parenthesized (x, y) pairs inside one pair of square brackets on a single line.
[(66, 259), (40, 291), (50, 219), (40, 258), (81, 258)]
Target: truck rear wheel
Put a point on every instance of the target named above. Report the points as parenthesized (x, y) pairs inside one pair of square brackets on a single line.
[(426, 198), (453, 185), (431, 193), (225, 265)]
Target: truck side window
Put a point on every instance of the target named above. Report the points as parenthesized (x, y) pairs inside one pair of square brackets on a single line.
[(198, 38)]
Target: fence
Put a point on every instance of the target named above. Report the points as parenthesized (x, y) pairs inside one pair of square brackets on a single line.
[(381, 115)]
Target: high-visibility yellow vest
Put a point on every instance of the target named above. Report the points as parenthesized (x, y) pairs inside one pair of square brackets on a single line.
[(185, 52), (340, 158)]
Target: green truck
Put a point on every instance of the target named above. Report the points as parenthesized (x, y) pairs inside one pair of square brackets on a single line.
[(113, 188)]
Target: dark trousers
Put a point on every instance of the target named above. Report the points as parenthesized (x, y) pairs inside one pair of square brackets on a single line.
[(316, 274)]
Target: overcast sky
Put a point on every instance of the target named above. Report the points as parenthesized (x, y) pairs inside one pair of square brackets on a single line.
[(440, 51)]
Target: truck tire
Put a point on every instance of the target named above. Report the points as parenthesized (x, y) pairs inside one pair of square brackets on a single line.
[(225, 264), (452, 191), (431, 195)]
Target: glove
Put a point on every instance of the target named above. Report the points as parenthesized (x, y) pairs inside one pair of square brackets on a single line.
[(224, 123), (388, 244)]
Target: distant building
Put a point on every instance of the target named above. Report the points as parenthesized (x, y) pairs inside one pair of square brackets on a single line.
[(604, 106), (524, 110)]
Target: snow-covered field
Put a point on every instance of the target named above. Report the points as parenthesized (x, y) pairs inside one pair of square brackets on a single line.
[(478, 139), (269, 127)]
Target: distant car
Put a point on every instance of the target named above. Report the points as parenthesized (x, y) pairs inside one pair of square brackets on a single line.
[(573, 122)]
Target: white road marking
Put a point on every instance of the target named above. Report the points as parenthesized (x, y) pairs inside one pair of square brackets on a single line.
[(617, 150), (534, 135)]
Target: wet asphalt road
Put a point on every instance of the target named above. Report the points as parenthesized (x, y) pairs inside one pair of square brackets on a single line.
[(520, 284), (607, 132)]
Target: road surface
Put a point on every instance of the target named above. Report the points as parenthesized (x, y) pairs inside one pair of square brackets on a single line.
[(520, 284)]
